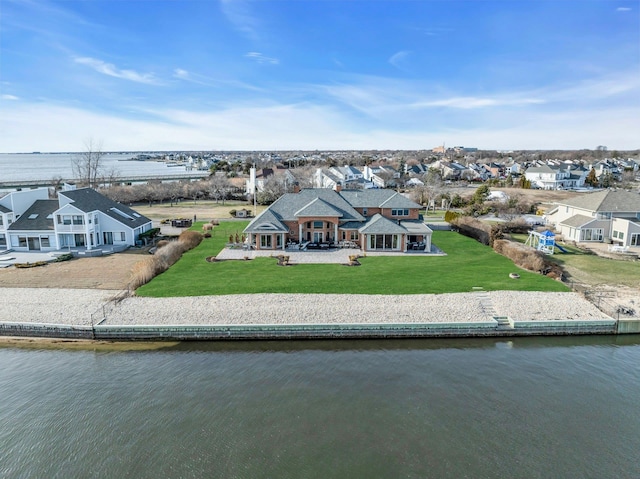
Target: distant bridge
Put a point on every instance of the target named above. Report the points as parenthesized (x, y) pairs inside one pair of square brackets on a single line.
[(192, 175)]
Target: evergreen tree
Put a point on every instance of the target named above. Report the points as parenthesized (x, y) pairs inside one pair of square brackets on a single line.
[(591, 179), (481, 194)]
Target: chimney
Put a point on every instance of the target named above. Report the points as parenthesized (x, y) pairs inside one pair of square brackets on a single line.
[(338, 188), (296, 188)]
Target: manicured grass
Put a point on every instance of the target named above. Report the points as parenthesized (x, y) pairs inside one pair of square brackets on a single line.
[(591, 269), (467, 264)]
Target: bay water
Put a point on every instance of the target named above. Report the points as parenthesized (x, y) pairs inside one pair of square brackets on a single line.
[(46, 166), (477, 408)]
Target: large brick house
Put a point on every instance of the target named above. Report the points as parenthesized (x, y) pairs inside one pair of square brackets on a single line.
[(373, 220)]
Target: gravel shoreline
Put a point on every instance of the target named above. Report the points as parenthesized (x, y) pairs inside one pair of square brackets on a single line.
[(76, 307)]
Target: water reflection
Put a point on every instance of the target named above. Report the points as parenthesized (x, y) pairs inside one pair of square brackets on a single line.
[(519, 407)]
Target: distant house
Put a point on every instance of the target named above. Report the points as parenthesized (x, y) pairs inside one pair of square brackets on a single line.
[(380, 176), (451, 170), (257, 178), (551, 177), (416, 170), (607, 215), (608, 167), (373, 220), (81, 218)]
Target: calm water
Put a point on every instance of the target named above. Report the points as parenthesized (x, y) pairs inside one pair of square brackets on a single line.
[(27, 167), (532, 407)]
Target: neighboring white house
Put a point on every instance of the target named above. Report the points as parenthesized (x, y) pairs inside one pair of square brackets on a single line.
[(601, 216), (78, 218), (380, 176), (257, 178), (548, 177), (13, 206), (343, 176)]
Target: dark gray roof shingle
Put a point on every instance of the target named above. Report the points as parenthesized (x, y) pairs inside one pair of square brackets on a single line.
[(36, 217), (88, 199), (374, 198), (608, 201), (378, 224), (318, 207)]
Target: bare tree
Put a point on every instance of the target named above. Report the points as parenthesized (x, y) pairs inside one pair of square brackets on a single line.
[(432, 188), (219, 187), (56, 184), (88, 166), (274, 187)]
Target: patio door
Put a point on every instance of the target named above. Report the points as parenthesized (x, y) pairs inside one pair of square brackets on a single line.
[(317, 236), (635, 239), (34, 243), (108, 237)]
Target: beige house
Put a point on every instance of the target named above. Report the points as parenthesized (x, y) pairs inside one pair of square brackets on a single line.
[(604, 216)]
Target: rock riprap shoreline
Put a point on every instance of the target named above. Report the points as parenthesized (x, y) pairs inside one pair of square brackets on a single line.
[(80, 307)]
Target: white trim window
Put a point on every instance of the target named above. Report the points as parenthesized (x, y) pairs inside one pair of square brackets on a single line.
[(265, 241), (591, 234)]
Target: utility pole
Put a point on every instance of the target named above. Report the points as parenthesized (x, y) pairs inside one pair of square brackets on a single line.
[(255, 187)]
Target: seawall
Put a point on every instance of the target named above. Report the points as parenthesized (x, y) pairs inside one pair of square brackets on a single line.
[(497, 328)]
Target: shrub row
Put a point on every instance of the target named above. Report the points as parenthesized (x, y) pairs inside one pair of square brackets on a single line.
[(523, 256), (63, 257), (473, 228), (166, 255)]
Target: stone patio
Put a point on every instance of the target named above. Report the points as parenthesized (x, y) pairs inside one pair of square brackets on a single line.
[(334, 255)]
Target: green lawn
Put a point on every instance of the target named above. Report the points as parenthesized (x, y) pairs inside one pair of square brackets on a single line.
[(467, 264), (587, 268)]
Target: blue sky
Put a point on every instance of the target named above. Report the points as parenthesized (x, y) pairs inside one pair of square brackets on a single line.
[(304, 74)]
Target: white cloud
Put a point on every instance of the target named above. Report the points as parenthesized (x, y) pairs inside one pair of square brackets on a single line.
[(399, 58), (262, 59), (111, 70), (180, 73), (41, 127), (623, 9), (9, 97), (240, 15), (467, 103)]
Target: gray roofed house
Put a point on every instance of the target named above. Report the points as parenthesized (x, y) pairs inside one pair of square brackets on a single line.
[(376, 220), (88, 200), (79, 219), (602, 216), (288, 205)]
